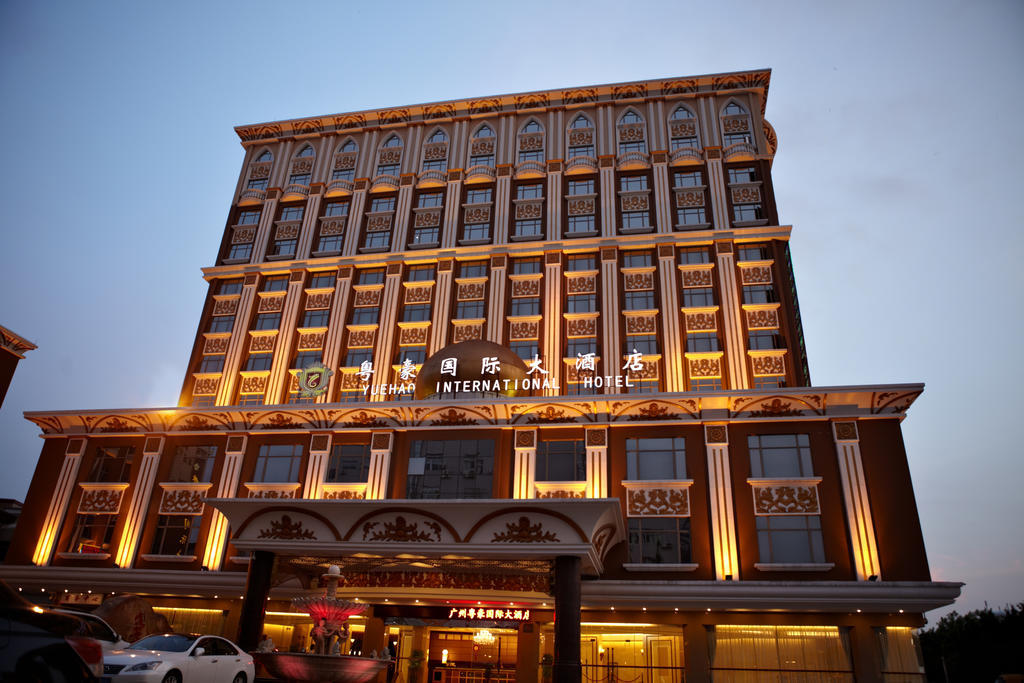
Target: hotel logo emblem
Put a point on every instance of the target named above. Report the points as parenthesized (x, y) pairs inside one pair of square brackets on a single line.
[(313, 380)]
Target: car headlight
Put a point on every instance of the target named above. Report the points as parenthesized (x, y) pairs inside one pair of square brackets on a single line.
[(145, 666)]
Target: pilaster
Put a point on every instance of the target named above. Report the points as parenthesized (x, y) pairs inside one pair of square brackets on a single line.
[(59, 501), (227, 485), (554, 200), (735, 344), (381, 444), (452, 204), (141, 492), (400, 226), (309, 218), (611, 347), (597, 462), (552, 353), (262, 239), (280, 378), (717, 189), (442, 306), (671, 335), (319, 452), (663, 199), (855, 497), (723, 519), (355, 218), (502, 194), (386, 329), (496, 296), (238, 343), (608, 195), (524, 466), (336, 330)]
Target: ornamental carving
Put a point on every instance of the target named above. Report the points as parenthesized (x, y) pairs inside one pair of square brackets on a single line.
[(622, 92), (350, 380), (467, 332), (412, 336), (364, 419), (631, 132), (287, 231), (271, 304), (368, 297), (182, 502), (697, 278), (418, 295), (485, 105), (100, 501), (660, 502), (524, 532), (195, 423), (332, 226), (378, 223), (225, 307), (770, 137), (705, 367), (762, 319), (381, 441), (311, 340), (482, 146), (427, 219), (786, 500), (846, 431), (206, 386), (452, 417), (390, 156), (400, 531), (344, 161), (243, 235), (469, 291), (653, 411), (579, 138), (531, 101), (434, 151), (438, 111), (581, 327), (584, 284), (286, 530), (716, 434), (478, 214), (531, 142), (736, 123), (259, 170), (597, 438), (116, 424), (649, 371), (525, 438), (318, 301), (264, 342), (684, 129), (302, 166), (769, 365), (281, 493), (529, 287), (529, 210), (635, 282), (216, 345), (344, 494), (689, 198), (746, 194), (549, 414), (580, 96), (581, 207), (777, 408), (635, 202), (526, 329), (755, 275), (394, 116), (361, 338), (350, 121), (254, 384), (561, 493), (701, 321), (640, 324)]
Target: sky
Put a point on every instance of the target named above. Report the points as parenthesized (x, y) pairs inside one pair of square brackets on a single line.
[(897, 123)]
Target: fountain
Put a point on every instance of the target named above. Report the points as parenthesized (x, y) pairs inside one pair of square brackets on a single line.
[(329, 615)]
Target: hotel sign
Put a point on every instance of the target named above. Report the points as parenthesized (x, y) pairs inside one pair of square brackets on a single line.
[(489, 614)]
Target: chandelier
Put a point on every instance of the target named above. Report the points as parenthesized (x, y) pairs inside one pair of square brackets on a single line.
[(483, 637)]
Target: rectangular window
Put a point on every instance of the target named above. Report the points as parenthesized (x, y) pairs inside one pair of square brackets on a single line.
[(702, 342), (371, 276), (112, 464), (329, 243), (476, 231), (764, 339), (303, 359), (382, 204), (348, 464), (780, 456), (355, 357), (659, 540), (421, 273), (698, 297), (580, 346), (176, 535), (530, 191), (694, 255), (481, 160), (343, 174), (735, 138), (240, 251), (747, 212), (250, 400), (529, 306), (706, 384), (525, 266), (275, 283), (656, 459), (525, 349), (527, 228), (632, 183), (193, 463), (377, 240), (578, 224), (771, 382), (646, 344), (259, 361), (414, 354), (212, 364), (561, 461), (692, 179), (299, 179), (292, 213), (581, 262), (430, 200), (754, 252), (637, 259), (531, 155), (414, 313), (336, 209), (248, 218), (283, 248), (473, 269), (742, 175), (688, 141), (759, 294), (581, 151), (639, 301), (581, 187), (258, 184), (278, 463), (425, 236), (691, 216), (790, 539), (92, 534), (636, 219), (581, 303), (478, 196), (267, 321), (322, 280), (221, 323), (435, 165), (639, 146), (451, 469), (365, 316), (233, 286), (389, 169), (469, 309)]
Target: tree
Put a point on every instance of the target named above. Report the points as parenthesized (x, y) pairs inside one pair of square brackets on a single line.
[(977, 646)]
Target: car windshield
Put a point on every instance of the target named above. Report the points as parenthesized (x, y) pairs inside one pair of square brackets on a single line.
[(169, 642)]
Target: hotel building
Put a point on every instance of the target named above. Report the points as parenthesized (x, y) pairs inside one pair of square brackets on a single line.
[(529, 369)]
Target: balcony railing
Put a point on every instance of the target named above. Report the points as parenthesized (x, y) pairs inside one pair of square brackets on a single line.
[(385, 182), (252, 196), (530, 169), (480, 174), (629, 161), (295, 191), (431, 179), (581, 164), (685, 155), (339, 188), (741, 151)]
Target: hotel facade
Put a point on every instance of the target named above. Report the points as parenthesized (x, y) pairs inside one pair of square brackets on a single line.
[(529, 369)]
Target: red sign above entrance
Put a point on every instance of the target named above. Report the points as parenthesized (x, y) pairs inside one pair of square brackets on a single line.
[(491, 613)]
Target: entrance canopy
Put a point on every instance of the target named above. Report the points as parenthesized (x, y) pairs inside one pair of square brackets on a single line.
[(488, 529)]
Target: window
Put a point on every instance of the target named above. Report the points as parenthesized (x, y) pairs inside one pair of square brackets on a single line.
[(632, 183), (747, 212), (733, 109), (790, 539), (248, 218), (382, 204), (283, 247), (275, 283), (754, 252), (580, 121), (257, 184), (683, 135), (694, 255), (303, 359), (581, 224), (371, 276), (267, 321), (525, 266), (329, 243), (692, 179), (343, 174), (769, 382), (259, 361), (476, 231), (92, 533), (430, 200), (530, 191), (526, 350), (580, 144), (425, 235), (646, 344), (451, 469), (292, 213), (760, 340), (299, 179), (527, 228), (365, 316), (212, 363), (348, 464), (377, 240), (420, 273), (698, 297), (629, 139), (413, 313), (278, 463), (336, 209), (656, 459), (390, 163), (636, 219), (581, 262), (561, 461), (221, 323), (659, 540), (702, 342), (779, 456), (759, 294), (355, 357), (321, 280), (531, 154), (581, 303), (265, 156), (478, 196), (742, 175), (240, 252), (176, 535), (691, 216), (473, 269), (526, 306), (639, 301), (706, 384), (112, 464), (233, 286), (469, 309), (193, 463), (581, 187), (250, 400), (436, 164), (305, 152), (481, 157), (580, 346), (637, 259)]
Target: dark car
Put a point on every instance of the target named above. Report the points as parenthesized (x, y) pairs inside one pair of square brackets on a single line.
[(41, 646)]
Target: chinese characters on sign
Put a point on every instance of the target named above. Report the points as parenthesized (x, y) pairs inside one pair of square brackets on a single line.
[(489, 613)]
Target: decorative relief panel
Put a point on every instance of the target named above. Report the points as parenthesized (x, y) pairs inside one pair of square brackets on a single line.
[(846, 431), (467, 332), (482, 146), (525, 438), (216, 345), (401, 531), (701, 321), (529, 287), (705, 367), (378, 223), (786, 499), (478, 214), (531, 142), (581, 207), (287, 231), (736, 123), (206, 386), (631, 132), (272, 490), (344, 491), (661, 501), (581, 327), (332, 226), (271, 304), (261, 343), (254, 384), (561, 493), (762, 319), (428, 219), (101, 500), (344, 161), (689, 197), (526, 210), (524, 532), (523, 330), (314, 340), (434, 151), (581, 284), (412, 336), (635, 202), (225, 307), (361, 338), (317, 301), (634, 282), (243, 235), (470, 291), (697, 278), (182, 501), (756, 275), (418, 295), (390, 156), (745, 194), (641, 324), (581, 137), (368, 297), (768, 365), (259, 170), (684, 129), (302, 166)]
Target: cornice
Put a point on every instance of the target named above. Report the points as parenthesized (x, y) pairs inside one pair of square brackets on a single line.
[(791, 404), (15, 343), (538, 100)]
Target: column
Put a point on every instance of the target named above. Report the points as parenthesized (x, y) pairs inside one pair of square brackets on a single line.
[(375, 639), (280, 379), (336, 331), (855, 497), (673, 346), (611, 347), (502, 190), (136, 514), (386, 329), (227, 486), (695, 653), (309, 219), (524, 467), (496, 300), (597, 462), (238, 343), (442, 304), (59, 502), (452, 204), (735, 344), (608, 195), (403, 207), (865, 653), (527, 652), (267, 214), (552, 322), (723, 519), (717, 189), (355, 218), (554, 200), (319, 452), (421, 644), (567, 668), (254, 604), (381, 444), (662, 193)]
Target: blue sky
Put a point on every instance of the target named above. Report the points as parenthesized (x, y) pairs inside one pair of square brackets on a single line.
[(898, 128)]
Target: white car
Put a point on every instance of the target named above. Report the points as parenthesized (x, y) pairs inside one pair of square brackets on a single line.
[(179, 658)]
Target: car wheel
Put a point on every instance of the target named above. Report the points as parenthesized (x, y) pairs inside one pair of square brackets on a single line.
[(239, 678), (172, 677)]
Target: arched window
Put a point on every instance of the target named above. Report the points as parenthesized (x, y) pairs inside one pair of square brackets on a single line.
[(481, 151), (349, 146), (732, 108), (532, 127), (484, 131), (438, 136), (581, 121), (632, 137), (393, 141), (531, 142), (682, 129), (390, 156), (735, 125), (581, 138), (266, 156), (345, 161), (259, 174), (435, 152), (302, 166), (306, 151)]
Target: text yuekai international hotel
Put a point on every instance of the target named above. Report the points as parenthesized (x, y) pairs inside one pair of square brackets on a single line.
[(530, 365)]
